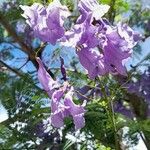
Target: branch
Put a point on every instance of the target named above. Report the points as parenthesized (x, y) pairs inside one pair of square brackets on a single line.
[(24, 64), (11, 69), (19, 74), (139, 63), (31, 54), (24, 47)]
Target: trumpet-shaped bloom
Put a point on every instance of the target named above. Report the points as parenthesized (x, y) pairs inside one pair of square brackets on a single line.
[(46, 22), (76, 111), (88, 37), (62, 105), (58, 110), (62, 108), (117, 47), (45, 79), (92, 61)]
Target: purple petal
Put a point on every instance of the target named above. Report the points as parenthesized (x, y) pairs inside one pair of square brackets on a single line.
[(45, 79), (46, 22), (92, 7), (63, 70), (57, 119), (76, 111), (92, 62)]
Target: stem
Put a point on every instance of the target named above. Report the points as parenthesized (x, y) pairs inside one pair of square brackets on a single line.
[(146, 140), (11, 69), (25, 48), (111, 114), (111, 109), (112, 11)]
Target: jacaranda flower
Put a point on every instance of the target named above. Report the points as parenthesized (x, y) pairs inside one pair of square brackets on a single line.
[(92, 61), (62, 104), (45, 79), (91, 8), (46, 22)]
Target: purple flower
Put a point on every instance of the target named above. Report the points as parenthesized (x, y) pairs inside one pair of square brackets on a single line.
[(33, 14), (113, 58), (45, 79), (92, 8), (88, 37), (120, 108), (62, 108), (58, 110), (76, 111), (62, 105), (72, 37), (84, 32), (47, 23), (117, 47), (90, 33), (128, 35), (54, 29), (92, 61)]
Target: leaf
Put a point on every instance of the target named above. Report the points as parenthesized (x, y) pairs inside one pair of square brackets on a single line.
[(68, 144)]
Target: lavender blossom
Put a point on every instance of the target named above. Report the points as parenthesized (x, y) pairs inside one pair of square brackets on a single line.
[(62, 105), (114, 43), (65, 108), (92, 61), (117, 46), (92, 8), (76, 111), (91, 32), (46, 22), (58, 110), (45, 79), (88, 37), (120, 108)]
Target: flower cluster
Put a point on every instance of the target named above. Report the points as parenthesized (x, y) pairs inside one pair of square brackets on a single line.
[(46, 22), (101, 47), (62, 104)]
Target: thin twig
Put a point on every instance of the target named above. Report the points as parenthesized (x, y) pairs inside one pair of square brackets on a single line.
[(23, 64), (11, 69), (18, 39)]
